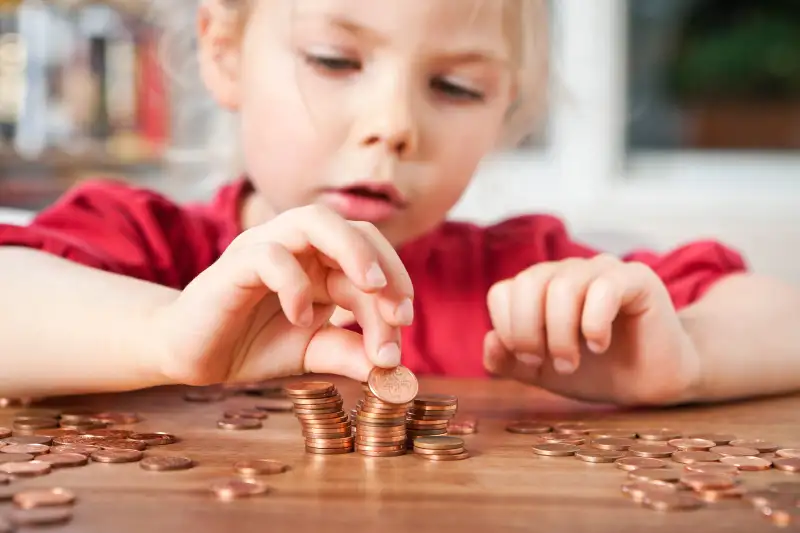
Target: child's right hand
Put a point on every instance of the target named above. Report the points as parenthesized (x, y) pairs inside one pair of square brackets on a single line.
[(262, 309)]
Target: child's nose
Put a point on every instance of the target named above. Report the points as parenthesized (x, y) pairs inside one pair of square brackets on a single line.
[(391, 123)]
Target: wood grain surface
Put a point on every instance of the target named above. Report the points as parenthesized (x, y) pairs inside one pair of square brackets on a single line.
[(503, 487)]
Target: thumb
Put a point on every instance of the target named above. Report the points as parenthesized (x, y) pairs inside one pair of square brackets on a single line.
[(334, 350)]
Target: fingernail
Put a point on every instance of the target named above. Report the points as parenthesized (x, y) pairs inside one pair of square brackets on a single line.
[(594, 346), (404, 314), (564, 366), (307, 318), (375, 277), (388, 355), (530, 359)]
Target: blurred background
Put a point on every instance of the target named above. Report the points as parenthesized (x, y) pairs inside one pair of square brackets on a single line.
[(669, 120)]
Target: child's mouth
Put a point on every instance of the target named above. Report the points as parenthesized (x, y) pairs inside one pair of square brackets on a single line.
[(364, 202)]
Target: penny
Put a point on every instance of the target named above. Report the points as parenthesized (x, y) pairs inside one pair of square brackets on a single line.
[(275, 405), (438, 443), (4, 433), (573, 428), (575, 440), (789, 453), (663, 434), (638, 490), (692, 444), (118, 418), (763, 446), (328, 451), (32, 449), (635, 463), (787, 464), (652, 450), (677, 501), (436, 400), (722, 494), (611, 443), (116, 456), (309, 389), (346, 442), (33, 498), (55, 432), (528, 427), (81, 449), (28, 439), (34, 413), (64, 460), (612, 434), (15, 458), (689, 457), (260, 467), (231, 489), (154, 439), (36, 423), (463, 426), (555, 449), (444, 457), (393, 385), (236, 424), (121, 444), (708, 481), (719, 439), (599, 456), (246, 413), (109, 433), (655, 474), (164, 463), (29, 469), (734, 451), (454, 451), (46, 516), (711, 468), (747, 463)]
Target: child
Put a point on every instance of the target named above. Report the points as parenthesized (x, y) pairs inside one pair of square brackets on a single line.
[(361, 124)]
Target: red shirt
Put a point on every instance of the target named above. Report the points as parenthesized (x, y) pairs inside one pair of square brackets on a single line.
[(138, 233)]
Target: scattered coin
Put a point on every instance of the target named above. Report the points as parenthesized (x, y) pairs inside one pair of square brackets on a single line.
[(232, 489), (599, 456), (29, 469), (663, 434), (719, 439), (46, 516), (692, 444), (687, 457), (635, 463), (154, 439), (655, 475), (28, 439), (462, 426), (16, 457), (31, 449), (260, 467), (789, 453), (612, 443), (34, 498), (236, 424), (711, 468), (275, 405), (64, 460), (612, 434), (734, 451), (258, 414), (652, 450), (116, 456), (528, 427), (708, 481), (4, 433), (763, 446), (788, 464), (747, 463), (165, 463), (555, 449)]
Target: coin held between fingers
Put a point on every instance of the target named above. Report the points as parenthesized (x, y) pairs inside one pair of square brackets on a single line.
[(388, 355)]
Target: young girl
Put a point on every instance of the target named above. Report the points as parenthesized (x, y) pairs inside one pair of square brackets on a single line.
[(361, 123)]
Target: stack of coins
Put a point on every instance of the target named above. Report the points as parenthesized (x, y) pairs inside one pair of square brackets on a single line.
[(381, 415), (429, 416), (440, 448), (326, 427)]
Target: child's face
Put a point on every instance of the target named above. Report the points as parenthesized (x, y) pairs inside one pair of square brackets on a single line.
[(381, 110)]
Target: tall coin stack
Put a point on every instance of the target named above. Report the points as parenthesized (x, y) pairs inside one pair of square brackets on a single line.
[(429, 416), (380, 426), (326, 427)]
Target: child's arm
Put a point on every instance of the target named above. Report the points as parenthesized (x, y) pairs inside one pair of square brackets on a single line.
[(67, 328), (746, 331)]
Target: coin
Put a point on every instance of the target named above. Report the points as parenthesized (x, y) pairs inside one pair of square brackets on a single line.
[(721, 494), (573, 428), (232, 489), (652, 450), (445, 457), (688, 457), (662, 434), (28, 439), (4, 433), (763, 446), (165, 463), (528, 427), (64, 460), (555, 449), (46, 516), (638, 490), (32, 449), (16, 457), (105, 433), (635, 463), (81, 449), (708, 481), (787, 464), (260, 467), (692, 444), (154, 439), (309, 389), (711, 468), (612, 443), (677, 501), (719, 439), (116, 456), (734, 451), (439, 443), (33, 498), (393, 385), (463, 426), (236, 424), (599, 456), (121, 444), (747, 463), (652, 475), (29, 469), (789, 453), (612, 434)]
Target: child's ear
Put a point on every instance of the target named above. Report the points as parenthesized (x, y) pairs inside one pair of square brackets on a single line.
[(219, 51)]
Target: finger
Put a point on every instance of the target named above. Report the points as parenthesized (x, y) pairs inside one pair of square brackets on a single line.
[(501, 362), (499, 302), (400, 288), (603, 300), (381, 339), (320, 228), (338, 351), (563, 309), (528, 300)]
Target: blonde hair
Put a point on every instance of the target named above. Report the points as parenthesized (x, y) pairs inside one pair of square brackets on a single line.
[(527, 27)]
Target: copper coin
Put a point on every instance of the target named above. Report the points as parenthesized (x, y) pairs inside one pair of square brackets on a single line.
[(4, 433), (29, 469), (77, 439), (612, 443), (382, 453), (575, 440), (393, 385), (651, 475), (118, 418), (787, 464), (439, 443), (116, 456), (110, 433), (763, 446), (260, 467), (635, 463), (121, 444), (439, 457), (276, 405), (309, 389), (677, 501), (720, 439), (232, 489), (555, 449), (638, 490), (734, 451), (692, 444), (55, 432), (789, 453), (36, 423), (234, 424), (317, 403), (747, 463), (687, 457), (154, 439), (163, 463), (81, 449), (652, 450), (612, 434), (33, 498), (386, 448), (64, 460), (662, 434), (436, 400), (722, 494), (46, 516), (712, 468), (346, 442), (454, 451), (29, 414), (329, 451), (32, 449), (15, 458), (528, 427), (599, 456), (573, 428), (204, 395), (77, 415), (28, 439), (708, 481)]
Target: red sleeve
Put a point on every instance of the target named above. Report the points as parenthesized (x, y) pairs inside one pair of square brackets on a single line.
[(687, 272), (111, 226)]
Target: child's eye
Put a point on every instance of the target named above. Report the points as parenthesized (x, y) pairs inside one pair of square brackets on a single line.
[(333, 63), (455, 91)]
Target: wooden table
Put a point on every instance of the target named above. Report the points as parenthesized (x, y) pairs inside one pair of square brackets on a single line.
[(504, 487)]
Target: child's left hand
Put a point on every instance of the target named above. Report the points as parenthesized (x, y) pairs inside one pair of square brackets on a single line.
[(594, 329)]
